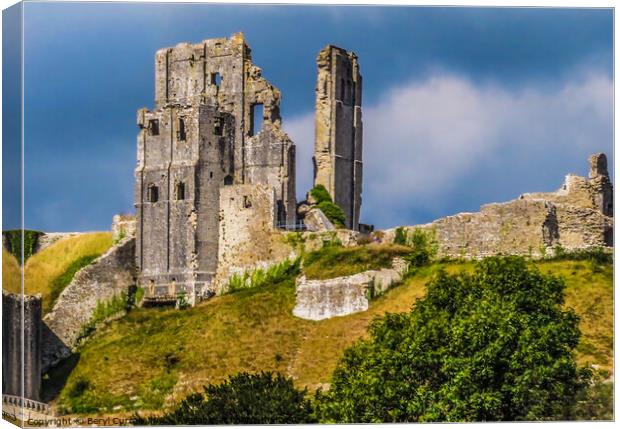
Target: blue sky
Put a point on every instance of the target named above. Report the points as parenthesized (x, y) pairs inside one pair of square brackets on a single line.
[(462, 106)]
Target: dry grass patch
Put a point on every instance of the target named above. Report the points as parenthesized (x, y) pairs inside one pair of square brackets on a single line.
[(11, 275), (50, 263)]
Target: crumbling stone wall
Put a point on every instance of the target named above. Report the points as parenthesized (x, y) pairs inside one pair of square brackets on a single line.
[(109, 275), (338, 130), (220, 72), (340, 296), (578, 215), (21, 371), (123, 225), (248, 238)]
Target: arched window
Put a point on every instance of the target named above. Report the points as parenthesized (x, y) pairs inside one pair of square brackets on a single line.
[(228, 180), (180, 191), (152, 194)]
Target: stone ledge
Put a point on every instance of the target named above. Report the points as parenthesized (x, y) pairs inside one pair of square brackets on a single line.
[(341, 296)]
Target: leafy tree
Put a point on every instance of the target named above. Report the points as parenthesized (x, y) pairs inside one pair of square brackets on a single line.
[(492, 345), (264, 398)]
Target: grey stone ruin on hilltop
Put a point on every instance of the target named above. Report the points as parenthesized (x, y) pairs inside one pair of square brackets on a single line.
[(216, 124)]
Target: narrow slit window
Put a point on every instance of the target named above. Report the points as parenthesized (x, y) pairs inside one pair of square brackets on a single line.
[(216, 79), (180, 191), (217, 127), (152, 194), (256, 118), (181, 131), (341, 89), (154, 127)]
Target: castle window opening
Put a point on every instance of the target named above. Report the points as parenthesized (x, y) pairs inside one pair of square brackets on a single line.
[(228, 180), (341, 89), (256, 114), (246, 202), (181, 131), (216, 79), (210, 174), (180, 191), (154, 127), (217, 128), (152, 194)]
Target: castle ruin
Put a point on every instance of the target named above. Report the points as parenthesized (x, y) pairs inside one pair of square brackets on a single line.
[(217, 124), (338, 131)]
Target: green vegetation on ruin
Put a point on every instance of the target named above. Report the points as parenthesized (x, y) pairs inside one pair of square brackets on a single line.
[(335, 261), (324, 202), (152, 358), (13, 242)]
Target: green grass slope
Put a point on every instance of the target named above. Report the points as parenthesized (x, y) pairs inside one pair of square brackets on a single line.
[(153, 357)]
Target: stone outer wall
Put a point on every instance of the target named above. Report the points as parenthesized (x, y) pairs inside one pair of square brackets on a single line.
[(15, 366), (577, 216), (338, 130), (340, 296), (109, 275)]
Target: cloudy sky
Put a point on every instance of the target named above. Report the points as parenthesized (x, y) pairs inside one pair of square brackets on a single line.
[(462, 106)]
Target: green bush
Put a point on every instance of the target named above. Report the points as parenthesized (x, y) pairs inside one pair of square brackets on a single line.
[(333, 213), (492, 345), (13, 239), (264, 398), (261, 277), (320, 194), (424, 247), (400, 236), (423, 243), (325, 202), (62, 281)]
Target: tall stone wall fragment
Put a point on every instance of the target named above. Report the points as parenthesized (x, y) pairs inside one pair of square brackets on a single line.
[(338, 130)]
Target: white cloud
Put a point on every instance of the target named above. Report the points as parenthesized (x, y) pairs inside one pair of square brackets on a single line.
[(423, 139)]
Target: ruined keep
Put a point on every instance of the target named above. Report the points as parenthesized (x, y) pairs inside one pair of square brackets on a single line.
[(338, 130), (216, 123)]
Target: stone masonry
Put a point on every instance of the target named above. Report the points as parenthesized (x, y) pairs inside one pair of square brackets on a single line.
[(216, 123), (110, 274), (338, 130), (21, 356), (579, 215)]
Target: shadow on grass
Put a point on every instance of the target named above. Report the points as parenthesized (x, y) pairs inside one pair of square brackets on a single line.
[(56, 378)]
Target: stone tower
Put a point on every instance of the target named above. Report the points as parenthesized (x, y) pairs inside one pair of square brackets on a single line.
[(338, 130), (216, 123)]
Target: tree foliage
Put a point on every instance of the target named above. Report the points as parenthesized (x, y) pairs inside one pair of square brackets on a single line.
[(325, 202), (492, 345), (264, 398)]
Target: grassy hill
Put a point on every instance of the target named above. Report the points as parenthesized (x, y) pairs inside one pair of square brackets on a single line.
[(50, 270), (153, 357)]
